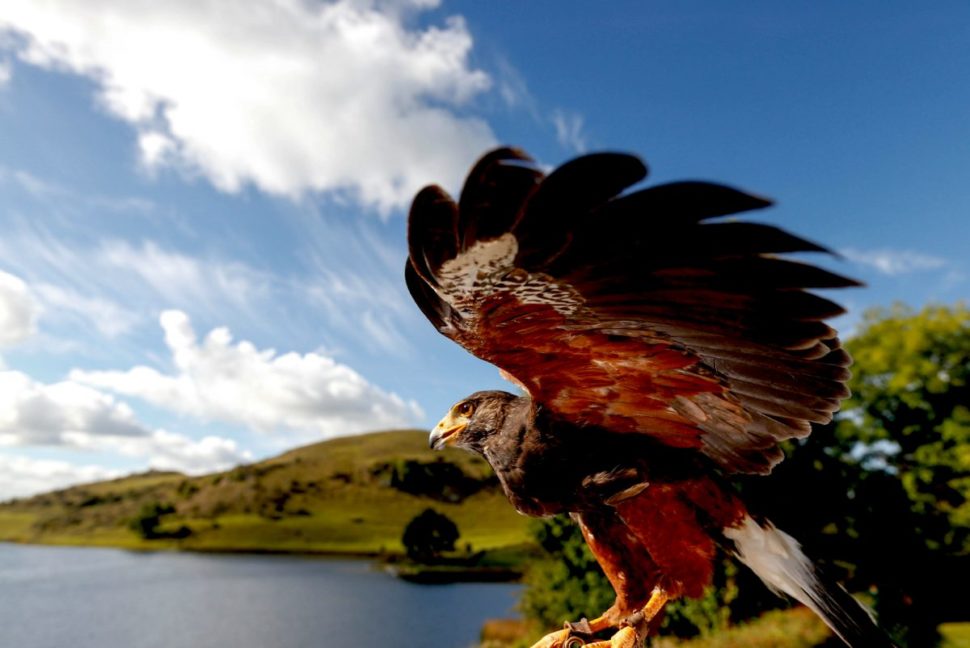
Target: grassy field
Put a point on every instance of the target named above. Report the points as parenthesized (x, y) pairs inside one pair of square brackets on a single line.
[(955, 635), (793, 628), (346, 496)]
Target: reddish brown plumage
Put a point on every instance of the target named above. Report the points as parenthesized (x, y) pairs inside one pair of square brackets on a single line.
[(632, 313), (638, 327)]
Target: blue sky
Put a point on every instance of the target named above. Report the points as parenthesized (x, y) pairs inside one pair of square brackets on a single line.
[(203, 203)]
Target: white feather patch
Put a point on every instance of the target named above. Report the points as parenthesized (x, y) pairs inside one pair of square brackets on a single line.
[(777, 559), (774, 556), (475, 266), (488, 267)]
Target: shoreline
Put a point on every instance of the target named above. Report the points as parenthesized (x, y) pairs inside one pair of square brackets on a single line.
[(256, 551), (394, 564)]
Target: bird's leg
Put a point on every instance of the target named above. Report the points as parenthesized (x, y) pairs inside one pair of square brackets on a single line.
[(635, 626), (658, 599), (586, 627), (630, 572)]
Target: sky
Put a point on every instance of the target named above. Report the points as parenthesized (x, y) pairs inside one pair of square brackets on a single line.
[(203, 202)]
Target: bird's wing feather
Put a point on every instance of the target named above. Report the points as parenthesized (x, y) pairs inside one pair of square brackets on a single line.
[(635, 312)]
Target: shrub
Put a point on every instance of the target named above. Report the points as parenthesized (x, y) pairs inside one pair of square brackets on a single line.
[(428, 535), (146, 522)]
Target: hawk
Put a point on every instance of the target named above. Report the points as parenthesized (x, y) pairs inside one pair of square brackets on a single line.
[(661, 349)]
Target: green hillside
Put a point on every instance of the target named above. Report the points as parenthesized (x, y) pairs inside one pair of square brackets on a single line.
[(352, 495)]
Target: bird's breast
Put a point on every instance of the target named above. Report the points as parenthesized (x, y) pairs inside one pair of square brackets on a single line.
[(546, 472)]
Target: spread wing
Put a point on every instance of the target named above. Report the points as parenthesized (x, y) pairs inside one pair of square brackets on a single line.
[(639, 312)]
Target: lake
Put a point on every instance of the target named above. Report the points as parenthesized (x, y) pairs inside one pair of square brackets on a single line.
[(65, 597)]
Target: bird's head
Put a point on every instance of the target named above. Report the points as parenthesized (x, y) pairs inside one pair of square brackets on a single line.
[(471, 421)]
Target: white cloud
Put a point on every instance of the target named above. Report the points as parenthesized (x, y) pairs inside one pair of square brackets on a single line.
[(181, 279), (310, 395), (292, 95), (18, 310), (369, 307), (22, 476), (169, 451), (36, 187), (893, 262), (513, 89), (115, 287), (33, 413), (157, 149), (59, 199), (111, 319), (72, 415), (569, 130), (6, 72)]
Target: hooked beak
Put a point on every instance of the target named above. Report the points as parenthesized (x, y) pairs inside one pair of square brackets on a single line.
[(445, 432)]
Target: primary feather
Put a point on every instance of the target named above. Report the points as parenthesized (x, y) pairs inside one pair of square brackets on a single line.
[(660, 348), (638, 311)]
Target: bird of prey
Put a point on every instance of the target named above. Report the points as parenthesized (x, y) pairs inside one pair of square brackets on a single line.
[(661, 349)]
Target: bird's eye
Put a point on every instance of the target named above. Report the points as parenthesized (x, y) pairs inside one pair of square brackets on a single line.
[(466, 409)]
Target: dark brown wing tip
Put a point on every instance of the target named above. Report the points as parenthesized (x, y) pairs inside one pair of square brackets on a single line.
[(757, 201), (429, 195), (609, 171), (437, 311), (493, 194), (432, 230), (503, 153), (689, 201)]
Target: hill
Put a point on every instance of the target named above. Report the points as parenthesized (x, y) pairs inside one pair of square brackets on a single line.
[(352, 495)]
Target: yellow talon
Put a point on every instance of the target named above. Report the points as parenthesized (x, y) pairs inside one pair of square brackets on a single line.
[(553, 640), (630, 636), (625, 638)]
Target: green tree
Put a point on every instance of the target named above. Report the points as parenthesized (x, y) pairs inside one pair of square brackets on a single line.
[(884, 488), (911, 407), (428, 535), (149, 516), (567, 584), (909, 410)]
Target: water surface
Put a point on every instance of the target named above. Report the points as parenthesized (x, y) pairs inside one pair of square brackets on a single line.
[(57, 597)]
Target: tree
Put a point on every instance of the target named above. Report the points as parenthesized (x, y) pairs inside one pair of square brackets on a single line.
[(908, 423), (911, 407), (149, 516), (428, 535), (892, 472), (567, 583)]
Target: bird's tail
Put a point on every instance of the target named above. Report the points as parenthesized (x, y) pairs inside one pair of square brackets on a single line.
[(777, 559)]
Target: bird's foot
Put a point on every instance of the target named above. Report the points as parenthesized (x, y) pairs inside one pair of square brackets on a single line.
[(558, 639), (635, 627), (574, 634), (631, 635), (626, 637)]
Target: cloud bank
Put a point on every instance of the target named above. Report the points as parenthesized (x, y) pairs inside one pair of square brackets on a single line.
[(72, 415), (290, 96), (310, 395), (893, 262), (18, 310), (22, 476)]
